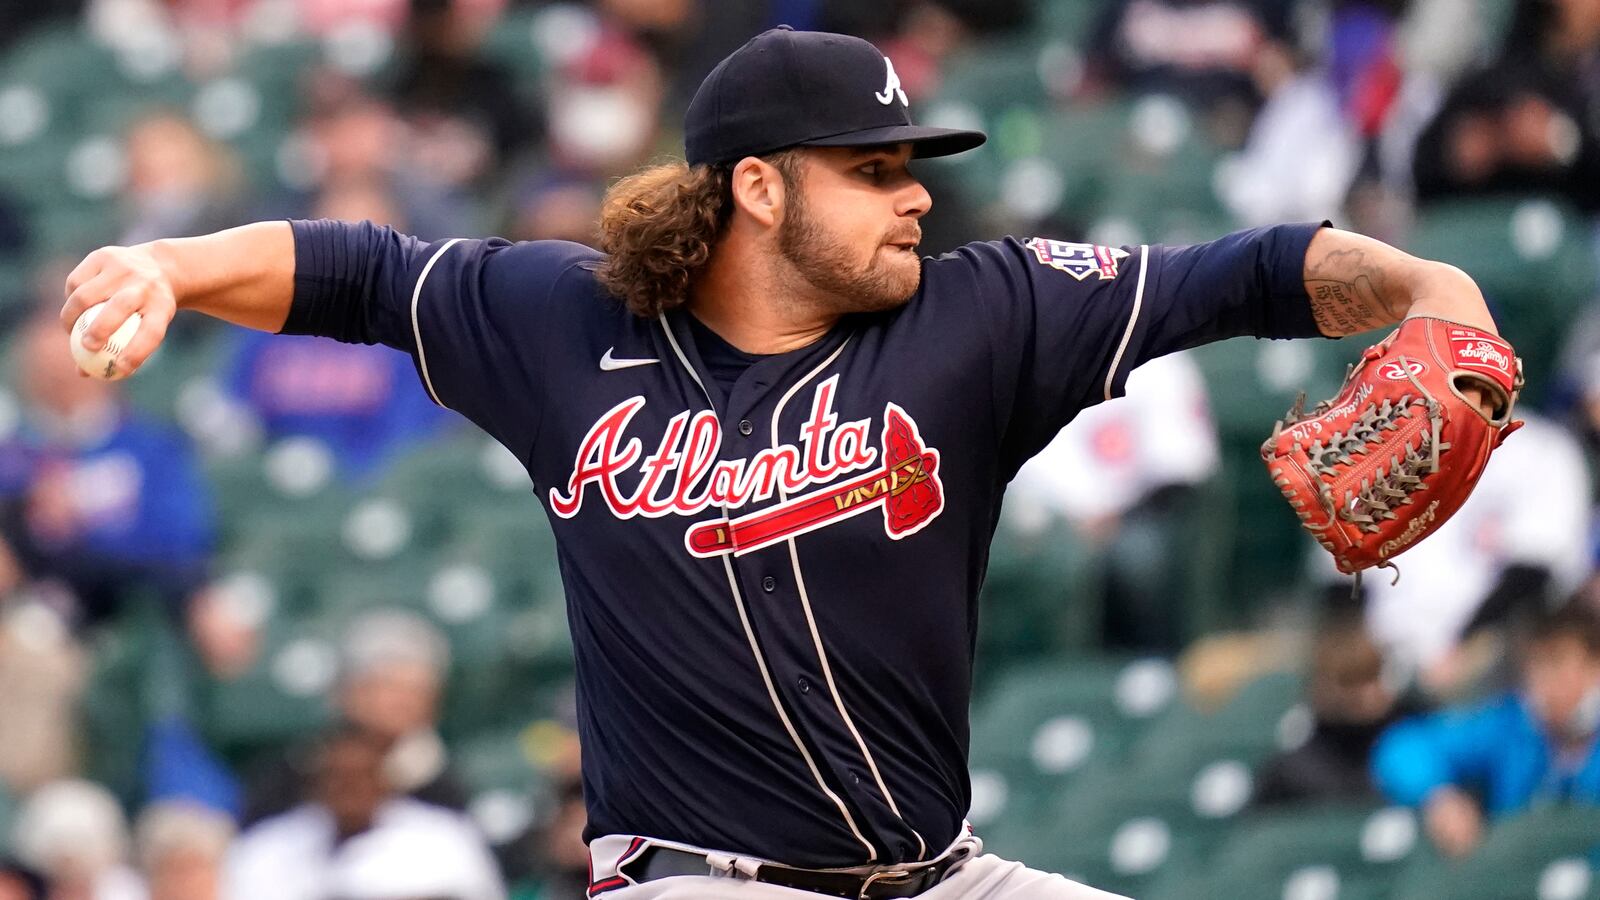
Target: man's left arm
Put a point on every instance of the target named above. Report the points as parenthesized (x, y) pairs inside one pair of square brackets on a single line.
[(1357, 283)]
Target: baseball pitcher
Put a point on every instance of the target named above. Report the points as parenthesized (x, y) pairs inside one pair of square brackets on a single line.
[(772, 442)]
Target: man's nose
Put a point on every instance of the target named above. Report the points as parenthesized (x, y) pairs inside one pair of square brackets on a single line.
[(914, 200)]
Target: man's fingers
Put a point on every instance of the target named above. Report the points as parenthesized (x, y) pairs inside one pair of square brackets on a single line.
[(87, 294), (117, 309), (152, 328), (85, 272)]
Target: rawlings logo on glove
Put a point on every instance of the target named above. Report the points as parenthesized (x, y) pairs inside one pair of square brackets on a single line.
[(1396, 452)]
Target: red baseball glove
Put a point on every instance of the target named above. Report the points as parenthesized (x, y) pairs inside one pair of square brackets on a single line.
[(1397, 451)]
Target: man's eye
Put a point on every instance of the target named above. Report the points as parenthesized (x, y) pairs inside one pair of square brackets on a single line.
[(873, 169)]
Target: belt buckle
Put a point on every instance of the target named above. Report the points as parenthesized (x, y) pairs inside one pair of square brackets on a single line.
[(886, 875)]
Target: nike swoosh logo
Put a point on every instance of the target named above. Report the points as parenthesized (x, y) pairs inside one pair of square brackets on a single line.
[(609, 363)]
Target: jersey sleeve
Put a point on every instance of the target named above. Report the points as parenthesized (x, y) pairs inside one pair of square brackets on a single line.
[(472, 314), (1069, 321)]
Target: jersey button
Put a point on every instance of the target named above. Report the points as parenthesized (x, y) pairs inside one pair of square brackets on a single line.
[(805, 686), (769, 584), (745, 427), (905, 852)]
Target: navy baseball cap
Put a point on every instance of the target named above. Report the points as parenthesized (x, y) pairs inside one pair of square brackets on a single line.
[(787, 88)]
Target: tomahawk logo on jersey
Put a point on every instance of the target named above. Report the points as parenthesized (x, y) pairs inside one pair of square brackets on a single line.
[(771, 582)]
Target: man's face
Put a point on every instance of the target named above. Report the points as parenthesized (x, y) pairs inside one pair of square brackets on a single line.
[(186, 874), (1558, 674), (392, 700), (350, 782), (850, 226)]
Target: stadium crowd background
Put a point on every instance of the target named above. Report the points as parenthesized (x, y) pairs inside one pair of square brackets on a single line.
[(264, 594)]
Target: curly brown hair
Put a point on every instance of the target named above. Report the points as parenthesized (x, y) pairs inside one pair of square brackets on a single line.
[(659, 226)]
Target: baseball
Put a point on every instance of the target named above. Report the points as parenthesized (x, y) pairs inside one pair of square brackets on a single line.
[(101, 363)]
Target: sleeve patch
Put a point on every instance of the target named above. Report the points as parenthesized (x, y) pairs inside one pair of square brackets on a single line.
[(1078, 260)]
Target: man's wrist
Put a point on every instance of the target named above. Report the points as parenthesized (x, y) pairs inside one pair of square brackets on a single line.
[(1442, 291), (164, 254)]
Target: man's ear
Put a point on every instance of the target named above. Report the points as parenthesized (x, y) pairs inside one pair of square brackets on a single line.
[(758, 190)]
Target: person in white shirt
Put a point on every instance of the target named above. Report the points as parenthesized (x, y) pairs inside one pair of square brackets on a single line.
[(356, 839), (73, 832), (1521, 536)]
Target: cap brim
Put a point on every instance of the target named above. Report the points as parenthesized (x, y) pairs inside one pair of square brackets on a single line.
[(925, 140)]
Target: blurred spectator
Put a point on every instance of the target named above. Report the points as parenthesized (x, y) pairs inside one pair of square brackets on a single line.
[(42, 675), (17, 19), (180, 182), (466, 117), (1351, 704), (74, 834), (1204, 51), (1363, 60), (364, 403), (18, 882), (357, 840), (605, 106), (94, 495), (392, 675), (1534, 745), (352, 138), (1527, 123), (551, 207), (1118, 476), (180, 847), (1301, 155), (557, 857), (1518, 541)]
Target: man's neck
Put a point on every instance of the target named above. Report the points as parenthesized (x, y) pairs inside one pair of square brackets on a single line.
[(750, 306)]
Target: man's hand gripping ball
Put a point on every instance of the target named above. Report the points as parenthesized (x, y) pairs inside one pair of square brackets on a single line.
[(1396, 452)]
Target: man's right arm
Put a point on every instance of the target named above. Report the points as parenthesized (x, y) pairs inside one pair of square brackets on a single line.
[(243, 275), (479, 318)]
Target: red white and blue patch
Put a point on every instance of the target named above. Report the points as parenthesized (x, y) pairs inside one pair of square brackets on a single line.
[(1078, 260)]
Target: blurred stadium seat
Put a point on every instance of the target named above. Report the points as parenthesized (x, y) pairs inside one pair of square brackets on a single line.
[(1545, 854), (1349, 854)]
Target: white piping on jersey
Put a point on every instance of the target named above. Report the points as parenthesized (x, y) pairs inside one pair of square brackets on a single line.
[(755, 648), (805, 604), (1138, 299), (416, 329)]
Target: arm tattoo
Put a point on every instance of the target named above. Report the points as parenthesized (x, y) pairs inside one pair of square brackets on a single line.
[(1348, 292)]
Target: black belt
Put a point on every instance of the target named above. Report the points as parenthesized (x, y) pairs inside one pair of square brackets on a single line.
[(907, 881)]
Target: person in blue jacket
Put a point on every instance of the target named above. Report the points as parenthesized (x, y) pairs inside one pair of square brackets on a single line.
[(95, 496), (1535, 745)]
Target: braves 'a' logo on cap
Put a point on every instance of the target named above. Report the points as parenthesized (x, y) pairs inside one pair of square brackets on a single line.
[(891, 88), (1078, 260), (684, 477)]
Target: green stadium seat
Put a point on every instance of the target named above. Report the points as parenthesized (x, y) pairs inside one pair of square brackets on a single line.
[(282, 698), (1067, 20), (182, 358), (1126, 829), (501, 758), (1343, 853), (1045, 725), (1186, 780), (1252, 384), (1545, 854), (514, 42), (1245, 729), (1037, 596)]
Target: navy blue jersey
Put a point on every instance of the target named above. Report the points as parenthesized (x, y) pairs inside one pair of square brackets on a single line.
[(772, 588)]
